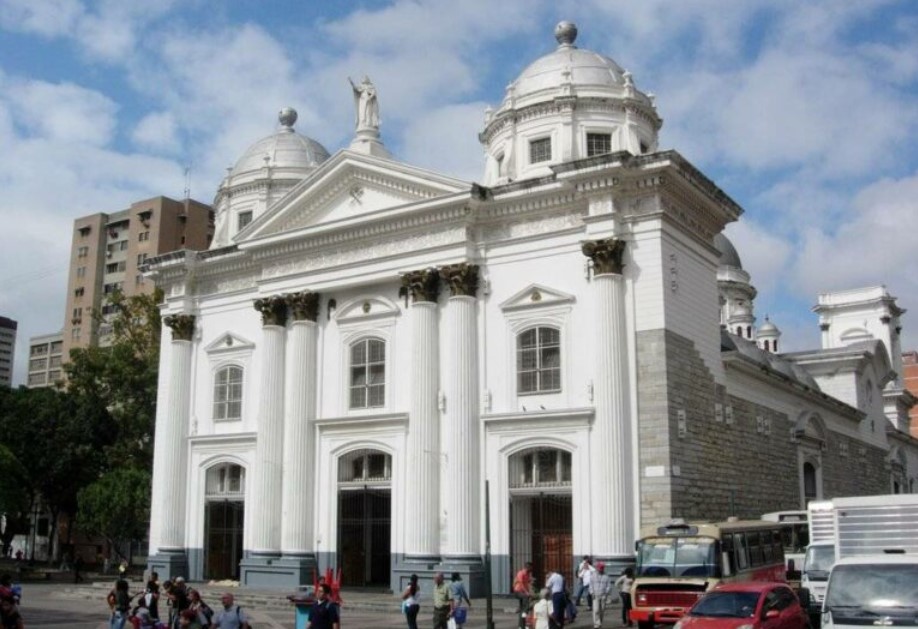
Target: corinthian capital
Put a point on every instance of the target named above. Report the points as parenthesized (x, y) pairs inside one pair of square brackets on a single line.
[(273, 310), (462, 279), (304, 305), (422, 285), (606, 255), (182, 326)]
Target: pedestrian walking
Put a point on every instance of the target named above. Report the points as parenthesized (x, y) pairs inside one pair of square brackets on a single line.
[(77, 568), (411, 604), (151, 595), (119, 603), (458, 593), (542, 610), (555, 585), (585, 573), (601, 588), (522, 590), (624, 583), (10, 617), (231, 616), (442, 603), (178, 595), (324, 613), (201, 609)]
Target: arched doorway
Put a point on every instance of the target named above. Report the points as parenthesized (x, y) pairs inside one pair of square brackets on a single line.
[(541, 512), (365, 518), (224, 495)]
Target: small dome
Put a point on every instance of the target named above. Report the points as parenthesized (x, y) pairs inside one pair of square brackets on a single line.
[(568, 64), (728, 254), (769, 328), (284, 149)]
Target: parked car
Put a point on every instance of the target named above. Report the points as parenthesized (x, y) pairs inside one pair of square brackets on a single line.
[(747, 605)]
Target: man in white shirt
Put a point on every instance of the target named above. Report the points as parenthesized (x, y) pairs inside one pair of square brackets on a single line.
[(601, 589), (555, 584), (585, 573)]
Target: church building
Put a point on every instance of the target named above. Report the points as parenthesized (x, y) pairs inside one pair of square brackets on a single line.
[(372, 356)]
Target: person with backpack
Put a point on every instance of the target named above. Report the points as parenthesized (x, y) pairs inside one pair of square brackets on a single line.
[(204, 612), (231, 616), (119, 602)]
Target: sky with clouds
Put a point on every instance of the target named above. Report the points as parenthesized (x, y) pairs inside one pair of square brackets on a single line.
[(804, 112)]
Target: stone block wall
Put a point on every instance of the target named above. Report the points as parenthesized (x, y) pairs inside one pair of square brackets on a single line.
[(857, 469)]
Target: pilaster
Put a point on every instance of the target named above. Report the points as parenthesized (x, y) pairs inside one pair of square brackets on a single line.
[(612, 501), (422, 526), (170, 463)]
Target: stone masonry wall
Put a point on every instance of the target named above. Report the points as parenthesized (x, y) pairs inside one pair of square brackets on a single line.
[(853, 469)]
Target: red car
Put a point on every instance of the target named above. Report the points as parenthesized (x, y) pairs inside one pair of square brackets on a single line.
[(747, 605)]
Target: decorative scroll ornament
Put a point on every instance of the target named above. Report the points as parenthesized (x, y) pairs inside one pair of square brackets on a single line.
[(273, 310), (606, 255), (462, 279), (421, 285), (304, 306), (182, 326)]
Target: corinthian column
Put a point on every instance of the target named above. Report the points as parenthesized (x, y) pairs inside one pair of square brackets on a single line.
[(462, 425), (612, 491), (269, 448), (422, 522), (299, 440), (170, 461)]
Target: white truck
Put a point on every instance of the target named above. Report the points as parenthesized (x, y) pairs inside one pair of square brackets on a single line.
[(820, 554), (875, 577)]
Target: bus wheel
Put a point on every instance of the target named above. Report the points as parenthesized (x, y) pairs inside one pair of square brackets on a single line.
[(645, 624)]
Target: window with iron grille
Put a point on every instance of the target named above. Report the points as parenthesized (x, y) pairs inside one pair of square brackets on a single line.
[(368, 374), (228, 393), (599, 144), (540, 150), (538, 360), (245, 218)]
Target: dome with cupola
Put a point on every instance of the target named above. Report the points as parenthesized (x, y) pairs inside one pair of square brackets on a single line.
[(265, 172), (569, 104)]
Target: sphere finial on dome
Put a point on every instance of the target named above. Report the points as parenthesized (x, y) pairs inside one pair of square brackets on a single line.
[(566, 33), (287, 117)]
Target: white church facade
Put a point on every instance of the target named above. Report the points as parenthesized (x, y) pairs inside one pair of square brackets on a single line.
[(369, 345)]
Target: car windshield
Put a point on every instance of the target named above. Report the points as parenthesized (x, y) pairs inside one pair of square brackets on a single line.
[(818, 561), (726, 605), (677, 557), (884, 587)]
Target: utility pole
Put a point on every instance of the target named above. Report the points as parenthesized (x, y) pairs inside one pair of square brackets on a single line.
[(489, 594)]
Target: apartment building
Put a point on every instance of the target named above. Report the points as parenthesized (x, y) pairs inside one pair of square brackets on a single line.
[(108, 251), (7, 350), (45, 359)]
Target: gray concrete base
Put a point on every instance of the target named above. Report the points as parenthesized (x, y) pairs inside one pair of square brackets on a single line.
[(614, 565), (471, 569), (272, 572), (168, 564)]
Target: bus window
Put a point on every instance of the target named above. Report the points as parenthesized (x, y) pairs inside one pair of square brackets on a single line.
[(767, 552), (729, 561), (754, 541), (739, 551)]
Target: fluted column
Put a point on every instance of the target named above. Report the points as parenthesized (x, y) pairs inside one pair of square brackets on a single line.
[(170, 473), (610, 448), (422, 499), (299, 439), (269, 448), (462, 423)]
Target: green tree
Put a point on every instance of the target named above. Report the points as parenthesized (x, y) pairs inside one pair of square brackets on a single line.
[(122, 377), (117, 506)]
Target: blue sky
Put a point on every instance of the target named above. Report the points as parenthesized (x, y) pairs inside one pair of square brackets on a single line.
[(804, 112)]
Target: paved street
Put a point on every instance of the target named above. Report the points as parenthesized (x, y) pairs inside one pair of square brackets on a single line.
[(43, 607)]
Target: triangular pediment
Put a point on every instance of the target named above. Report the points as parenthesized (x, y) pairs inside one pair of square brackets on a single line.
[(347, 186), (228, 343), (536, 296)]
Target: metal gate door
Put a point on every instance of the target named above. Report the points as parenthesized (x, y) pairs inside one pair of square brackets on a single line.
[(223, 546), (364, 524), (541, 531)]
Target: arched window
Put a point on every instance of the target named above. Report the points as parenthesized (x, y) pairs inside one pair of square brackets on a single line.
[(228, 393), (226, 480), (739, 331), (538, 361), (368, 373), (540, 467), (810, 490)]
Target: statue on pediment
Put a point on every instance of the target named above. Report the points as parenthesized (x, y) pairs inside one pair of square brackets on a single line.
[(366, 103)]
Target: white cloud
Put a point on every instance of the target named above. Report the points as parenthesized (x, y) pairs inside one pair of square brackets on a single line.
[(157, 131), (49, 18), (62, 111), (764, 255)]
